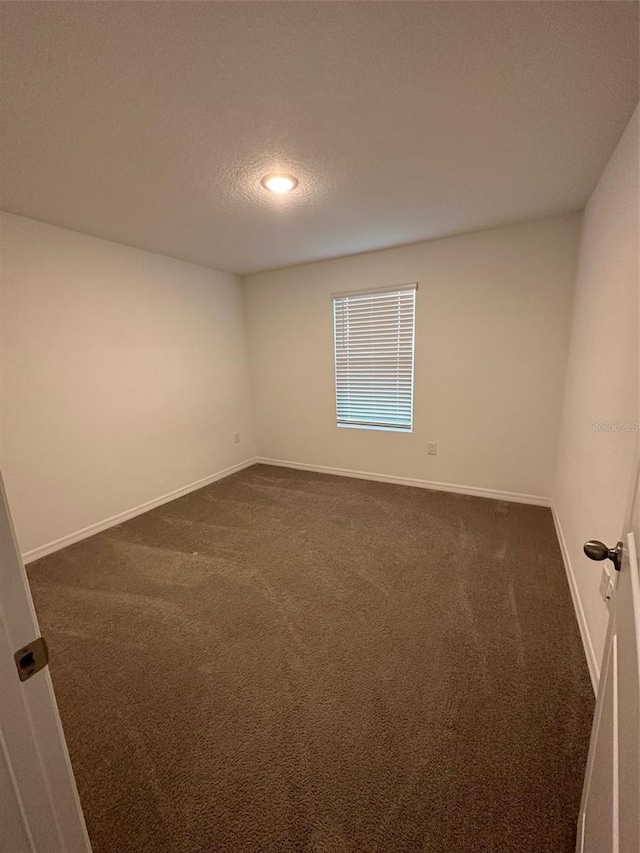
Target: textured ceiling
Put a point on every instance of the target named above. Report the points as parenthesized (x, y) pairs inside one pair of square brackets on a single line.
[(152, 123)]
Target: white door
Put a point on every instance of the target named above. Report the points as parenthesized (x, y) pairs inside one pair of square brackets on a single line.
[(610, 812), (39, 806)]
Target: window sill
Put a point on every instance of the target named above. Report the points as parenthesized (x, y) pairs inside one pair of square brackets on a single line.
[(376, 428)]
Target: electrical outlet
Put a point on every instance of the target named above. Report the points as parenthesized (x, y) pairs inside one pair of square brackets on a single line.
[(431, 448), (236, 437)]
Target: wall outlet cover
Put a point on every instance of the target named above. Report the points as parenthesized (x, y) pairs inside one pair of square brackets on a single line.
[(605, 582)]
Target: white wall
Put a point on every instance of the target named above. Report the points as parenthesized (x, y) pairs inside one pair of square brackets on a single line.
[(124, 377), (595, 469), (492, 322)]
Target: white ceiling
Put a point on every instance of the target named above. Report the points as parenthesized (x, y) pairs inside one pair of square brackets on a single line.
[(151, 124)]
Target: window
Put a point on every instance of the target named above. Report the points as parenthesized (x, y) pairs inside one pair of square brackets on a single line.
[(374, 337)]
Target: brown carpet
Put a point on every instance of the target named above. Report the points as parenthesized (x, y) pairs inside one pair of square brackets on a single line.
[(286, 661)]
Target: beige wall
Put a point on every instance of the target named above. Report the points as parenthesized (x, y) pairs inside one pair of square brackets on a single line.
[(492, 322), (595, 468), (124, 377)]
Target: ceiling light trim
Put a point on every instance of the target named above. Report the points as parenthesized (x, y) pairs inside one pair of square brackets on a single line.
[(279, 183)]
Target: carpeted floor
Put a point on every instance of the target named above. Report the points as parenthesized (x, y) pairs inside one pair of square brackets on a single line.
[(286, 661)]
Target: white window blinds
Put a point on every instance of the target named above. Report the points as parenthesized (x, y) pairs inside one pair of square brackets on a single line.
[(374, 341)]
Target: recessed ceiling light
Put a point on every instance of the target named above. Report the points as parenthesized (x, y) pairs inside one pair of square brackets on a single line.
[(279, 183)]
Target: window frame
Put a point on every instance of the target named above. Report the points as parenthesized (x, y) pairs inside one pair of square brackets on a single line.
[(379, 426)]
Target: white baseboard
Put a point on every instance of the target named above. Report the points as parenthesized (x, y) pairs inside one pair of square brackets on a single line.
[(57, 544), (592, 661), (515, 497)]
